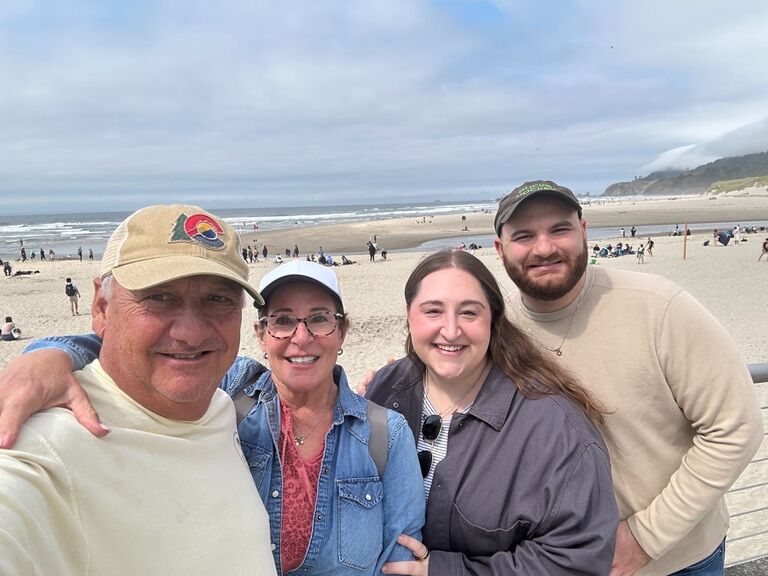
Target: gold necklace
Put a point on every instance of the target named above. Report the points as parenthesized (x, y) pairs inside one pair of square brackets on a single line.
[(455, 406), (559, 350), (300, 438)]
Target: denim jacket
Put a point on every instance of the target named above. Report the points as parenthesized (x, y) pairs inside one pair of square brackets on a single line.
[(358, 516)]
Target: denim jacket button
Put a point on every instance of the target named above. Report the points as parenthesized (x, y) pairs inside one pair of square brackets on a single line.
[(274, 546), (275, 493), (368, 497), (319, 517), (395, 404)]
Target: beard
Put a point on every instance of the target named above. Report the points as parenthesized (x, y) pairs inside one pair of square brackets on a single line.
[(548, 289)]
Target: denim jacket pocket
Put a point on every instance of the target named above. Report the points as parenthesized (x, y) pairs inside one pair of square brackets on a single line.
[(258, 460), (467, 535), (361, 521)]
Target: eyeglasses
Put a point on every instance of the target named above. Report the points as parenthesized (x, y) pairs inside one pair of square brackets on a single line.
[(282, 326), (430, 430)]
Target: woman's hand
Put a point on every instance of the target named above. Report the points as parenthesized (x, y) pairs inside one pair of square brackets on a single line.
[(36, 381), (362, 386), (412, 567)]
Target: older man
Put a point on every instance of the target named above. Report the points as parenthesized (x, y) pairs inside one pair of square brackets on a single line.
[(683, 418), (168, 491)]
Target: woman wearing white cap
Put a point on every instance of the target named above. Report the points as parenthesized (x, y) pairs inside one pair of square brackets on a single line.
[(306, 435)]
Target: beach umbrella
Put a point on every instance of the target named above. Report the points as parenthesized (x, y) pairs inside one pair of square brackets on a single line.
[(724, 237)]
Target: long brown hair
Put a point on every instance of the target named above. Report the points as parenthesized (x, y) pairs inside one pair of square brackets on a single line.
[(510, 349)]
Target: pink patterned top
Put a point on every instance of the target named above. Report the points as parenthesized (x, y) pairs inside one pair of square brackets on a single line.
[(299, 494)]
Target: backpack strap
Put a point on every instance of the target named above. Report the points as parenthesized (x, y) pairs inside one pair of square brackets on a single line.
[(244, 403), (377, 443)]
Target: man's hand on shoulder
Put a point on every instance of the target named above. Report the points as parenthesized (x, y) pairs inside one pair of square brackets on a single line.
[(36, 381)]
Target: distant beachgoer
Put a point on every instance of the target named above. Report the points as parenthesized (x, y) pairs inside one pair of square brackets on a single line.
[(287, 252), (7, 270), (763, 253), (244, 253), (9, 332), (51, 254), (295, 250), (371, 251), (383, 254), (264, 251), (736, 235), (649, 247), (641, 254), (23, 254), (249, 253), (633, 230), (32, 255), (623, 232), (90, 253), (320, 252), (42, 254), (71, 290), (344, 260), (80, 253)]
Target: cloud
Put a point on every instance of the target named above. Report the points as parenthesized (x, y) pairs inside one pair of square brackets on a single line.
[(748, 139), (255, 102)]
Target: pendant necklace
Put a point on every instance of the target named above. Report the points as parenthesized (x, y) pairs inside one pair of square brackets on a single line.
[(455, 406), (559, 350), (300, 438)]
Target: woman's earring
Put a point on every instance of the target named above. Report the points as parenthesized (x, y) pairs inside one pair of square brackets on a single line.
[(340, 352), (266, 356)]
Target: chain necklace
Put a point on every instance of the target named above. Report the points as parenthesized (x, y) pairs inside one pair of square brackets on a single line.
[(455, 406), (298, 437), (559, 350)]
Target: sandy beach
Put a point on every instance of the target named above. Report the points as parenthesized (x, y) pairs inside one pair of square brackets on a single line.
[(727, 279), (351, 238)]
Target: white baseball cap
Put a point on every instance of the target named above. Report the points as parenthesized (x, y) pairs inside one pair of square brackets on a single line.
[(301, 271)]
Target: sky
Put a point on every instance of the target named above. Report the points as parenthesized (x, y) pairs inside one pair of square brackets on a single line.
[(113, 105)]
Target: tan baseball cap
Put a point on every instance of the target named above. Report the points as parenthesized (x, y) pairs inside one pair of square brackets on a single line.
[(158, 244), (528, 190)]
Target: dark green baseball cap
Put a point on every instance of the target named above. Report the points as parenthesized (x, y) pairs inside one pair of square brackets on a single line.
[(532, 189)]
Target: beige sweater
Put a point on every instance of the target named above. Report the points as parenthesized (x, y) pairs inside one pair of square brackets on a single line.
[(684, 417), (155, 497)]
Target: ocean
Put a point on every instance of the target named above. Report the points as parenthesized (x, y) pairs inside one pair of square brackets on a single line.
[(65, 233)]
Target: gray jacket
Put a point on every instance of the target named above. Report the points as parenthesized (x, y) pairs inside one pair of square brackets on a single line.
[(524, 489)]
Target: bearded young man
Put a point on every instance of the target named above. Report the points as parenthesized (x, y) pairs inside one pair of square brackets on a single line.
[(683, 419)]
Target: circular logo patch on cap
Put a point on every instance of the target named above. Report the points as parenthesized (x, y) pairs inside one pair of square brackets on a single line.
[(204, 229)]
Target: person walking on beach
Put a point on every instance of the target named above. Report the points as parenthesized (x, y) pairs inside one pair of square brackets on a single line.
[(90, 253), (683, 417), (264, 251), (295, 250), (641, 254), (80, 253), (72, 292), (649, 246), (633, 230), (371, 251), (623, 232), (23, 254), (765, 250)]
